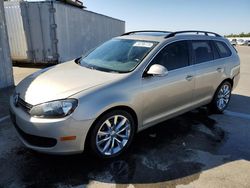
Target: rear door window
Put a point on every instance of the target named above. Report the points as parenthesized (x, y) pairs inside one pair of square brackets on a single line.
[(202, 51), (223, 49)]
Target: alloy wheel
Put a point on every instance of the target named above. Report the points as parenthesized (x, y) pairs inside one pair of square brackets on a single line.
[(223, 96), (113, 135)]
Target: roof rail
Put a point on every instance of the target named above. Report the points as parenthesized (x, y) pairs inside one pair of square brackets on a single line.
[(145, 31), (172, 34)]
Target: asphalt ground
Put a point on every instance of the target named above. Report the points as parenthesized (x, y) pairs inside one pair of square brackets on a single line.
[(196, 149)]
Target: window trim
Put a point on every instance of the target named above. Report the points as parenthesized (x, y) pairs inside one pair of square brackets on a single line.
[(215, 49), (165, 45), (191, 54)]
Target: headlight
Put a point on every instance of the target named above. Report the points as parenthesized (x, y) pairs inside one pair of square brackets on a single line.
[(54, 109)]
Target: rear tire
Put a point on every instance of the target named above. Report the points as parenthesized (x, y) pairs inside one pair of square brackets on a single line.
[(112, 134), (221, 98)]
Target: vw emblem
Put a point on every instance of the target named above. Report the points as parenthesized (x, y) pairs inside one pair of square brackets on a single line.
[(16, 98)]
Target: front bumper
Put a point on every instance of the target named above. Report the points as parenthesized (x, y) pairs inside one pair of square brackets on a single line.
[(44, 135)]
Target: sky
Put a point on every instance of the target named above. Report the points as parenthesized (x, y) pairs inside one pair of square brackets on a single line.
[(221, 16)]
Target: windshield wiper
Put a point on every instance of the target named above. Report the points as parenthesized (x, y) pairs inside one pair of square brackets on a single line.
[(116, 71), (92, 67), (88, 66), (78, 60)]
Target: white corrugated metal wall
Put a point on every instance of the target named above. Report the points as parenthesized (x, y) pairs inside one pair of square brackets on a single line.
[(6, 74), (78, 31), (17, 38)]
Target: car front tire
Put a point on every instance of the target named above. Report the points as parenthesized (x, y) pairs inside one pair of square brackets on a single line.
[(112, 134)]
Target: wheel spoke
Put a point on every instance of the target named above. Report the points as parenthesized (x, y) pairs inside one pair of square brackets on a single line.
[(224, 88), (123, 136), (102, 133), (112, 146), (107, 122), (226, 92), (125, 128), (121, 124), (220, 103), (119, 143), (115, 120), (225, 100), (106, 145), (104, 140), (227, 96)]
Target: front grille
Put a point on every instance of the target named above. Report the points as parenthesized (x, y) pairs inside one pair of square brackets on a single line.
[(33, 140), (24, 105)]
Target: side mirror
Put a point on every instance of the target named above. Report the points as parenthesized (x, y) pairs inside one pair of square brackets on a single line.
[(157, 70)]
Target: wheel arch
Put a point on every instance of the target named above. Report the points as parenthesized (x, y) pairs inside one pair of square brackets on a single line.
[(225, 80), (228, 80)]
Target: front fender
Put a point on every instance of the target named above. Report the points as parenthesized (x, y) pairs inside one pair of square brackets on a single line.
[(95, 102)]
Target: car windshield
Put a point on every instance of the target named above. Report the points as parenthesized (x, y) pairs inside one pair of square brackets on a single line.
[(118, 55)]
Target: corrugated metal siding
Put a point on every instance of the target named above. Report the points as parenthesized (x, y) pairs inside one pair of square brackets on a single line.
[(46, 32), (79, 31), (17, 38), (38, 26)]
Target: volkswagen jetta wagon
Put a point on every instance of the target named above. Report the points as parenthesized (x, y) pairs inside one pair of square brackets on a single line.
[(101, 100)]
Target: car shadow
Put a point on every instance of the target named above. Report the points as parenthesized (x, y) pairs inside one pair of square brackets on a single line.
[(177, 148)]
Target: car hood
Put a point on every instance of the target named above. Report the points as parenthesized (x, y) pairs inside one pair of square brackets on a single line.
[(61, 81)]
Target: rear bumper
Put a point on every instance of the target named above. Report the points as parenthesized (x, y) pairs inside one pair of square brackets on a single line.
[(236, 80), (44, 135)]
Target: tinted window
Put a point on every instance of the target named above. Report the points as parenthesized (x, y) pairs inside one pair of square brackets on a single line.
[(224, 51), (202, 51), (173, 56)]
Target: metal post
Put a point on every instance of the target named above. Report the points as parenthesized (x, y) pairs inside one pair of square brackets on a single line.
[(6, 72)]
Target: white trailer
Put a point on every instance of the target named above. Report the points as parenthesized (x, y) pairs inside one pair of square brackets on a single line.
[(55, 32)]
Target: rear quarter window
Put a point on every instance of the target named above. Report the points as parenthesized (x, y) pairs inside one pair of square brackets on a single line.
[(223, 49)]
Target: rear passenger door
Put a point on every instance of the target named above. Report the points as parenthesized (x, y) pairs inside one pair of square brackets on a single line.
[(208, 71)]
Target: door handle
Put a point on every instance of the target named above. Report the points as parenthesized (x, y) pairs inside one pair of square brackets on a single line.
[(189, 77), (219, 69)]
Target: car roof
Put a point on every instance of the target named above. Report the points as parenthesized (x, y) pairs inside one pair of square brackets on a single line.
[(160, 36)]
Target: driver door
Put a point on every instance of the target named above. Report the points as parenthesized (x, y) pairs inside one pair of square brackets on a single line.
[(172, 94)]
